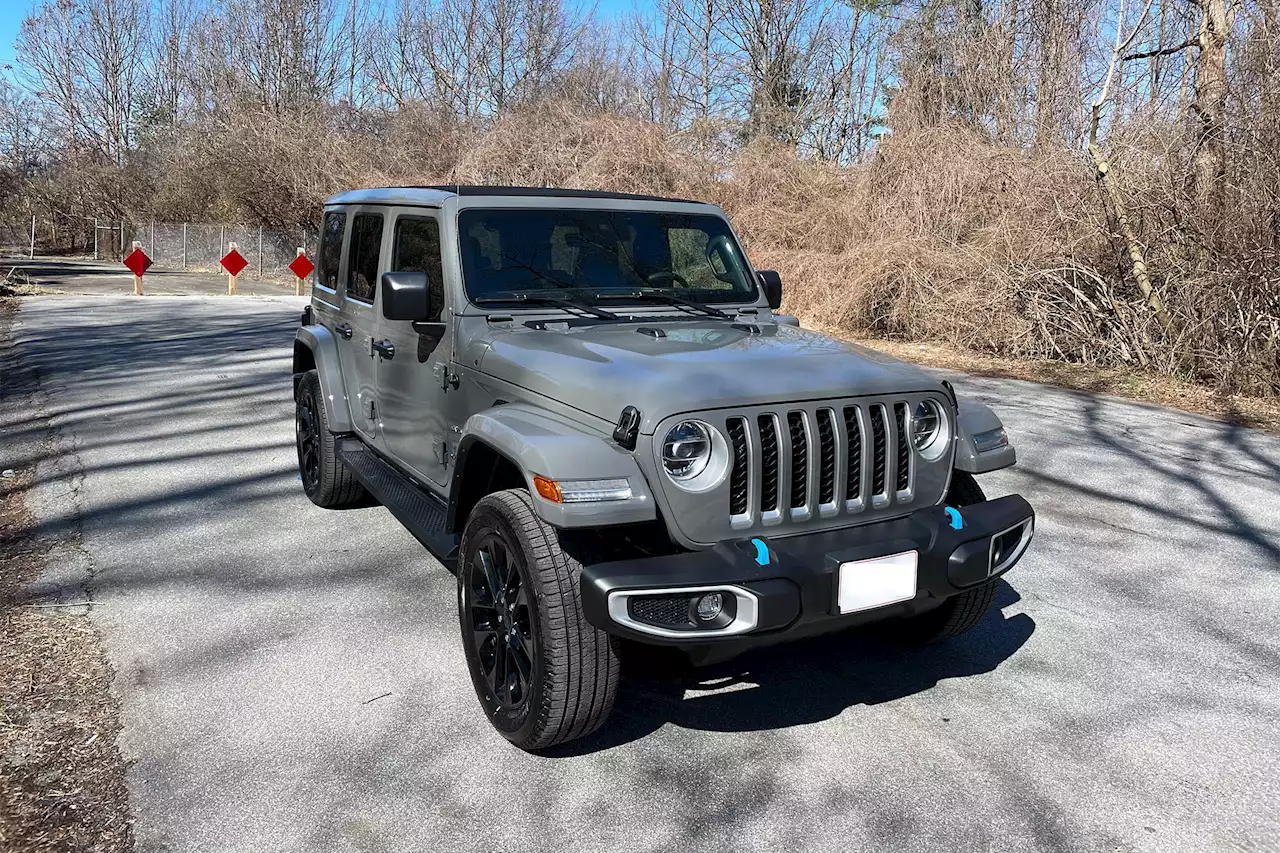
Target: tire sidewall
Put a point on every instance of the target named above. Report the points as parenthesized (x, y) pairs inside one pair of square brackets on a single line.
[(490, 517)]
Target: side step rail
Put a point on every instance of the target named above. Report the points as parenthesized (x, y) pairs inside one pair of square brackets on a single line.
[(417, 509)]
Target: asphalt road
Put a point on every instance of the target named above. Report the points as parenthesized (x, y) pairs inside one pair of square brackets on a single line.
[(85, 277), (292, 678)]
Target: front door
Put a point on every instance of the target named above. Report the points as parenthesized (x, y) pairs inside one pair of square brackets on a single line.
[(361, 271), (412, 383)]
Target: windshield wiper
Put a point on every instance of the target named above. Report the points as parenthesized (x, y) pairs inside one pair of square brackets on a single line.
[(668, 298), (557, 301)]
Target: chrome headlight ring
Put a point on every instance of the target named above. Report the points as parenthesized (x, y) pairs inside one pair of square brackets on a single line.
[(694, 455), (930, 430)]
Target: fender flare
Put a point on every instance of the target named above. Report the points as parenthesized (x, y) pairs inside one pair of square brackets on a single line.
[(540, 442), (973, 419), (323, 349)]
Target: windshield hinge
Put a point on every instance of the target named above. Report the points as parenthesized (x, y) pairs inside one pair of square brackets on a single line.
[(628, 428)]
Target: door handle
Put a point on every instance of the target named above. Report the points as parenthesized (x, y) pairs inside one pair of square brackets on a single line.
[(344, 330), (385, 349)]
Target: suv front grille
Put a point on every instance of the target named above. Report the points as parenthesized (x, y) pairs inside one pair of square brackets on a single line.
[(799, 460), (799, 463), (768, 463), (904, 450), (827, 459), (879, 454)]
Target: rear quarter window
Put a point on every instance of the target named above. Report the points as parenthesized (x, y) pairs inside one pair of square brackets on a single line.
[(330, 249), (362, 263)]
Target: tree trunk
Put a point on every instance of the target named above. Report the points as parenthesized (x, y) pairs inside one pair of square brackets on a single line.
[(1209, 159), (1136, 257)]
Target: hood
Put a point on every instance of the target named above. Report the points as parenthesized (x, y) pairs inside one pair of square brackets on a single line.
[(601, 369)]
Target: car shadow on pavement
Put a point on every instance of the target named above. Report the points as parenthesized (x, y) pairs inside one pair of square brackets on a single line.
[(797, 683)]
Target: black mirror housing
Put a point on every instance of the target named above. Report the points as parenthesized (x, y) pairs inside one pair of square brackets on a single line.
[(406, 296), (771, 284)]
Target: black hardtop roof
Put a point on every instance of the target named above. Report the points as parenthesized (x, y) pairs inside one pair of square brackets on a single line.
[(547, 192)]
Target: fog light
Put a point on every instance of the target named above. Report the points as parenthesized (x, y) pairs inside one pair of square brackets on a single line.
[(709, 606)]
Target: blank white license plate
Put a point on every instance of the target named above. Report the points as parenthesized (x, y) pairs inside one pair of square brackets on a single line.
[(865, 584)]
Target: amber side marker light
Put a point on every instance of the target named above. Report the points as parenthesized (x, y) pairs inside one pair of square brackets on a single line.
[(549, 489), (582, 491)]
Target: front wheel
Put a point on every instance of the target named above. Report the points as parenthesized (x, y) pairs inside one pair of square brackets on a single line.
[(960, 612), (542, 673)]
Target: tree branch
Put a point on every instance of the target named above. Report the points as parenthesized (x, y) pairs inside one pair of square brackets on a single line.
[(1164, 51)]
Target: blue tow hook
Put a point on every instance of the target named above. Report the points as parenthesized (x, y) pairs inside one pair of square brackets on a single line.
[(762, 552), (957, 523)]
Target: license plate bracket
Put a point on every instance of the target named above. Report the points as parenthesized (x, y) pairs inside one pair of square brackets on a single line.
[(876, 581)]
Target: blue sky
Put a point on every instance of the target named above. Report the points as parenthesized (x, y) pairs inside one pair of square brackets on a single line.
[(12, 13)]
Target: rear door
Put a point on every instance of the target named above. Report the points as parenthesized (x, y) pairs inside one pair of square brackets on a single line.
[(413, 383), (362, 267)]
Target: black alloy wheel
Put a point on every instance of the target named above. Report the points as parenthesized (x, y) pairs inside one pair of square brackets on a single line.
[(497, 606), (543, 674), (308, 427)]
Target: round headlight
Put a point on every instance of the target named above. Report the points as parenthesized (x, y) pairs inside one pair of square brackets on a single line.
[(686, 450), (928, 429)]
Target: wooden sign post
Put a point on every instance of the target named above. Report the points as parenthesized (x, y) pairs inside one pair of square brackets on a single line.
[(301, 267), (137, 279), (232, 277), (138, 263), (234, 263)]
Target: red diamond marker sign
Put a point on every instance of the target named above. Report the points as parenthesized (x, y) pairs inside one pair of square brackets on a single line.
[(233, 262), (137, 262), (302, 266)]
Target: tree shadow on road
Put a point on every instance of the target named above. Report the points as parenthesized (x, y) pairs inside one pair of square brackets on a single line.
[(797, 683)]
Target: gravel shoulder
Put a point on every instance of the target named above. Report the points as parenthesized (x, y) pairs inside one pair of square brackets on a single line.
[(62, 779)]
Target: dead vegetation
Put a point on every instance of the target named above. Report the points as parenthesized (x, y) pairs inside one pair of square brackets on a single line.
[(62, 782), (926, 170)]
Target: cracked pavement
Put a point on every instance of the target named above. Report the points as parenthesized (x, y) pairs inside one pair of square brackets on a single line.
[(291, 679)]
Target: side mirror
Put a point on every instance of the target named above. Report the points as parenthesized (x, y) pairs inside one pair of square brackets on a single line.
[(406, 296), (771, 283)]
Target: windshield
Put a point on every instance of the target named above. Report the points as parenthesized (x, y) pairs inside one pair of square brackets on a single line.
[(584, 253)]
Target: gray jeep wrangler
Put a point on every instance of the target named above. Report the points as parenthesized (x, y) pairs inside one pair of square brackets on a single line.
[(583, 403)]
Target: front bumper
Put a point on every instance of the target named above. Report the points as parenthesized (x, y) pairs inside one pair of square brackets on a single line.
[(787, 588)]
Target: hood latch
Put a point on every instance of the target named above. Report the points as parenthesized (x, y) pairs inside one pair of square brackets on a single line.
[(628, 428)]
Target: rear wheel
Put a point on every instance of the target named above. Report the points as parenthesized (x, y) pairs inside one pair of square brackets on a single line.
[(958, 613), (325, 479), (542, 673)]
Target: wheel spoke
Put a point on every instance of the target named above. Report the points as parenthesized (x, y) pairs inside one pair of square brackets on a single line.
[(526, 647), (482, 626), (490, 573), (501, 666), (504, 564), (523, 658)]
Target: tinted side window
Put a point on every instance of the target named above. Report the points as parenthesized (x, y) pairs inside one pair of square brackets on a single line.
[(417, 249), (362, 264), (330, 249)]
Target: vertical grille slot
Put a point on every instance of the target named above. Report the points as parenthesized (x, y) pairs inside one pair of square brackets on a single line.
[(799, 460), (768, 464), (853, 457), (878, 451), (826, 456), (738, 477), (904, 450)]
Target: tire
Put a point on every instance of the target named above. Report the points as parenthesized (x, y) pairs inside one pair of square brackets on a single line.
[(325, 479), (557, 677), (960, 612)]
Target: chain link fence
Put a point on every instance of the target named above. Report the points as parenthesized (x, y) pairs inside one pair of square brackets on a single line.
[(195, 246), (201, 245)]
